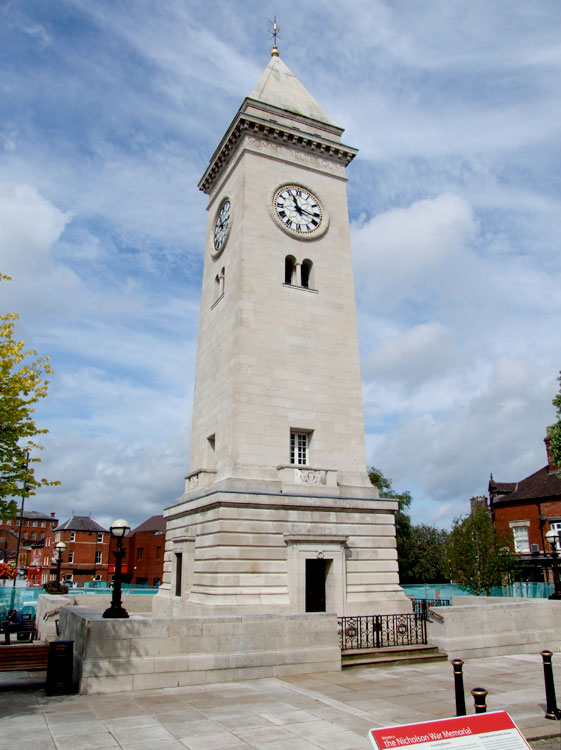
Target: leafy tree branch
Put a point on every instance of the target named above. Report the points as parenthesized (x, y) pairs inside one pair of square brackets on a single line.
[(23, 382)]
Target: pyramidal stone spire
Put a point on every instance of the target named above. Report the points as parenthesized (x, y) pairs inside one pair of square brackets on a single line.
[(279, 87)]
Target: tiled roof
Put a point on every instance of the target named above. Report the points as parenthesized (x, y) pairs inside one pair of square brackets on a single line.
[(35, 514), (541, 483), (502, 488), (80, 523), (155, 523)]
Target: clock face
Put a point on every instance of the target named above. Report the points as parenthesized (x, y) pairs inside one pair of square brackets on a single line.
[(298, 209), (221, 226)]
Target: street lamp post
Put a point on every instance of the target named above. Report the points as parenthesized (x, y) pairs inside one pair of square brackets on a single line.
[(118, 530), (554, 538), (59, 548)]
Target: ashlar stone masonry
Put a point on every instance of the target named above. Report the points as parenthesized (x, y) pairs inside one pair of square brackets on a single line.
[(278, 513)]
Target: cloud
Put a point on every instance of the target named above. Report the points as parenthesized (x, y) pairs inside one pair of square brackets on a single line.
[(29, 227), (411, 248), (414, 355)]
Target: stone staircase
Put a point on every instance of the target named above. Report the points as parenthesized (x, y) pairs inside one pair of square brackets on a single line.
[(391, 656)]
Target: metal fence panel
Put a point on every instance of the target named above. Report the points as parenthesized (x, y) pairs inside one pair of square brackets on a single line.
[(381, 631)]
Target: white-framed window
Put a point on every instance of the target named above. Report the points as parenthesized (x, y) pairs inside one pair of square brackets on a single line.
[(71, 556), (521, 535), (68, 577), (98, 558), (100, 537), (299, 447), (72, 536)]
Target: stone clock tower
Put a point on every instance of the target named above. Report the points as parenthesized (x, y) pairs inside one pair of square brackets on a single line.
[(278, 514)]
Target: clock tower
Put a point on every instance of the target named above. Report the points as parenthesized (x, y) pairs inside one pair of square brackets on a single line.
[(278, 513)]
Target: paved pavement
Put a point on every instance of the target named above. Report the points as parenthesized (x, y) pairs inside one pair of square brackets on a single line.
[(329, 710)]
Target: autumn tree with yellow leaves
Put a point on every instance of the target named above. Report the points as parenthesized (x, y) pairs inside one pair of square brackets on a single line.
[(22, 383)]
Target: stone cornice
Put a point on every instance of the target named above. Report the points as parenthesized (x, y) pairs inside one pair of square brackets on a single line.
[(273, 131)]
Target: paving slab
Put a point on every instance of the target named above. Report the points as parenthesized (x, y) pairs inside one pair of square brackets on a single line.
[(330, 710)]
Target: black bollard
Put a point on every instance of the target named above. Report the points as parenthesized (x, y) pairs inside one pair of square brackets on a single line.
[(457, 664), (479, 695), (551, 711)]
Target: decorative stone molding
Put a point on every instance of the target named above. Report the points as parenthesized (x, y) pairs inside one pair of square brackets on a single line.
[(183, 539), (316, 539), (290, 474), (310, 476), (276, 132)]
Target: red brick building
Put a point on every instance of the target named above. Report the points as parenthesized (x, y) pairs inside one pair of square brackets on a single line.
[(35, 548), (527, 509), (86, 557), (143, 563)]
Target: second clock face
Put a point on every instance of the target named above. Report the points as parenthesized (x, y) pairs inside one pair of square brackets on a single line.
[(221, 226), (298, 209)]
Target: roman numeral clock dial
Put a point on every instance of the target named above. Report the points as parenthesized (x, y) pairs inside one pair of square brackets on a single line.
[(221, 227), (298, 210)]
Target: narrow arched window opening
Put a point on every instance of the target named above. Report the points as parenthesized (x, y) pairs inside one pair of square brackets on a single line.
[(289, 269), (306, 273)]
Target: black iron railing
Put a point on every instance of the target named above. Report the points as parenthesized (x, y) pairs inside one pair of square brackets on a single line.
[(421, 606), (380, 631)]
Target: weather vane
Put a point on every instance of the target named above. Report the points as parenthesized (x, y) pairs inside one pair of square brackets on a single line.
[(275, 34)]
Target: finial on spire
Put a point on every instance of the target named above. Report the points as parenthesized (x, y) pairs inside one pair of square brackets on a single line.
[(274, 33)]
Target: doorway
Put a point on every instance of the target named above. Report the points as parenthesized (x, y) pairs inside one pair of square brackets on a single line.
[(316, 574)]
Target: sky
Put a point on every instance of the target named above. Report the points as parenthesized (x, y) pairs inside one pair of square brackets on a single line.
[(109, 113)]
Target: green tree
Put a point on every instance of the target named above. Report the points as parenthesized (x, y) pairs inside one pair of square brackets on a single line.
[(554, 431), (480, 555), (22, 383), (430, 558), (403, 528)]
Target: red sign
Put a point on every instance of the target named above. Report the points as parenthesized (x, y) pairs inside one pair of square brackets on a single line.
[(478, 732)]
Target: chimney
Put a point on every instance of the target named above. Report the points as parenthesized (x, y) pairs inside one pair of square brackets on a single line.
[(53, 514), (551, 466)]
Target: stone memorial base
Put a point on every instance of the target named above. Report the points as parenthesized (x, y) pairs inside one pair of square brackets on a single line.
[(145, 653), (254, 547)]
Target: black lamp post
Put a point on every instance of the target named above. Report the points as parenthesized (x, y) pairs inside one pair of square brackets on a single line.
[(59, 548), (118, 530), (553, 538)]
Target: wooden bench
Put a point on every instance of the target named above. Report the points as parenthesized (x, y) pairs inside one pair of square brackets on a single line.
[(26, 627), (32, 656)]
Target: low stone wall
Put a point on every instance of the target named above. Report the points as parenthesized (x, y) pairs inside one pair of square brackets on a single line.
[(147, 653), (490, 626), (48, 607)]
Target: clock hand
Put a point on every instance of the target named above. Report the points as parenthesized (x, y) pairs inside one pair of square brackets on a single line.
[(313, 215), (296, 204)]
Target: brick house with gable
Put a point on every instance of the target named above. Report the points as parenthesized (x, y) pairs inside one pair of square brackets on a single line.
[(86, 557), (527, 509)]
